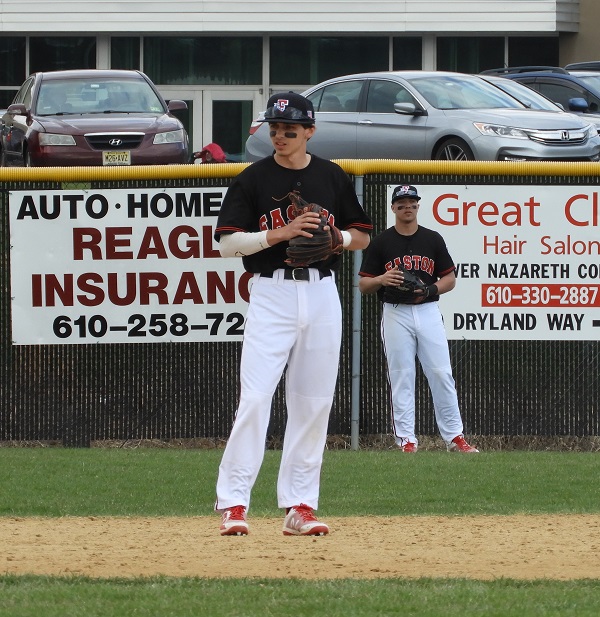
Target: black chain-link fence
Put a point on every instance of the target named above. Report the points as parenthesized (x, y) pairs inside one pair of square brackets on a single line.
[(76, 394)]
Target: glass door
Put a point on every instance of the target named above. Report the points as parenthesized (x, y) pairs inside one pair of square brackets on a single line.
[(219, 116), (226, 119)]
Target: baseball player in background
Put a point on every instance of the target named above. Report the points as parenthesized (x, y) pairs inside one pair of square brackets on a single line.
[(411, 323), (294, 316)]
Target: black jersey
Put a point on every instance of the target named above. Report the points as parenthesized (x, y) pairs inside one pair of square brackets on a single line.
[(424, 253), (257, 200)]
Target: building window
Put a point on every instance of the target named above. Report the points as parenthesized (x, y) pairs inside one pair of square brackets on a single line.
[(540, 50), (6, 97), (469, 54), (125, 52), (408, 53), (309, 60), (55, 53), (203, 60), (12, 61)]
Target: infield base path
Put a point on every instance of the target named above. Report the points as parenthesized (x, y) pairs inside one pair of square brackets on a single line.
[(485, 547)]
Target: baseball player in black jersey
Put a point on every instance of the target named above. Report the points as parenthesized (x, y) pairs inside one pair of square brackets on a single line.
[(293, 319), (411, 323)]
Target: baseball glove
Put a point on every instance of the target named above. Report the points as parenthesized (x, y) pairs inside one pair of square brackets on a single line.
[(303, 251), (412, 291)]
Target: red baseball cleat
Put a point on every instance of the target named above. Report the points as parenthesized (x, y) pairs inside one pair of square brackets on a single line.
[(409, 446), (458, 444), (234, 522)]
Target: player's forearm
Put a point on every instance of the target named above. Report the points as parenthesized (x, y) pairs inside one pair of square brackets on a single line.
[(446, 283), (369, 284), (359, 240)]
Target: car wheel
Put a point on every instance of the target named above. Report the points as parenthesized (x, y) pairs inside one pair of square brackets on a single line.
[(453, 150)]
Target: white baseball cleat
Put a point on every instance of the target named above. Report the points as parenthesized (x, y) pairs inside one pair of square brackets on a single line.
[(301, 521)]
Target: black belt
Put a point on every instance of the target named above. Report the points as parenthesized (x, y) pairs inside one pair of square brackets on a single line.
[(298, 274)]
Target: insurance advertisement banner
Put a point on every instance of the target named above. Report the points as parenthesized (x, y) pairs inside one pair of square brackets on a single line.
[(122, 266)]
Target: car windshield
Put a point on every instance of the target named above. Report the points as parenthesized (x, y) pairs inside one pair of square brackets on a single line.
[(591, 80), (86, 96), (458, 92)]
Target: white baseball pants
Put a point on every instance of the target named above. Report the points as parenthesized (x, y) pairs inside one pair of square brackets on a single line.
[(410, 331), (298, 323)]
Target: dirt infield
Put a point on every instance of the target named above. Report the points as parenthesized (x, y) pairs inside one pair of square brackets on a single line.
[(487, 547)]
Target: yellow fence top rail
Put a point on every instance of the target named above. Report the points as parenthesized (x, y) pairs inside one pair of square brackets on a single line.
[(355, 167)]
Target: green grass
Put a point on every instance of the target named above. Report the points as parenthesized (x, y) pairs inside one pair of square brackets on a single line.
[(164, 597), (169, 482), (157, 482)]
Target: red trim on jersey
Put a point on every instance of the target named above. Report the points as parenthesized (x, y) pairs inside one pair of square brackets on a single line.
[(367, 275), (228, 230), (446, 271), (360, 227)]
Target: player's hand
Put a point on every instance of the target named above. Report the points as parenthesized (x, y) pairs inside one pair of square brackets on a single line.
[(303, 224), (392, 278), (420, 295)]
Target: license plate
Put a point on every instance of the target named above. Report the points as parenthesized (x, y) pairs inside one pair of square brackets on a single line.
[(116, 158)]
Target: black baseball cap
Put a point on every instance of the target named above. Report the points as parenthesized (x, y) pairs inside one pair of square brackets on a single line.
[(405, 190), (289, 108)]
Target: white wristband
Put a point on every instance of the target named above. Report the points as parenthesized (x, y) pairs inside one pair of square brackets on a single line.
[(347, 238)]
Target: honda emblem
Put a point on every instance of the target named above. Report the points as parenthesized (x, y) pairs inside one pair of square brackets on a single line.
[(564, 135)]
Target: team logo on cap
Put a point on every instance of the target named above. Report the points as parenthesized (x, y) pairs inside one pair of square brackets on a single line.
[(405, 190), (281, 104)]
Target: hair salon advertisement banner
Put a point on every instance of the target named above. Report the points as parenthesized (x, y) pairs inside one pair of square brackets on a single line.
[(527, 257), (141, 265)]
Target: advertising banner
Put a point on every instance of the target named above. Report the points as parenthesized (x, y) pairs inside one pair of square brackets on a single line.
[(528, 259), (121, 266), (141, 265)]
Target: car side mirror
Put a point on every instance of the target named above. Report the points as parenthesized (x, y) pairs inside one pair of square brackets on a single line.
[(578, 104), (176, 105), (17, 109), (408, 109)]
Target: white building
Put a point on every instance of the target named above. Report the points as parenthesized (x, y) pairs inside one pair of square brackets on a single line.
[(225, 57)]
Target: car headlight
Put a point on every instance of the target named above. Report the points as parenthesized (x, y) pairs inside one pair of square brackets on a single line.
[(497, 130), (54, 139), (170, 137)]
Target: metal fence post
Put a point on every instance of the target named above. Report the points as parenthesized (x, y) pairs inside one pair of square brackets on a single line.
[(356, 333)]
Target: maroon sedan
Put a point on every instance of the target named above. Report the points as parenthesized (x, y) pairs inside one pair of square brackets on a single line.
[(91, 117)]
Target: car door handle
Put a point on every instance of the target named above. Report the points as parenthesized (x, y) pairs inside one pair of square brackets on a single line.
[(365, 122)]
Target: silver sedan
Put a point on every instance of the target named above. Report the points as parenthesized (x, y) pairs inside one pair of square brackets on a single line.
[(440, 115)]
